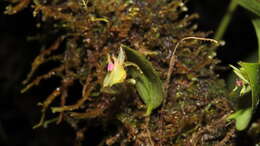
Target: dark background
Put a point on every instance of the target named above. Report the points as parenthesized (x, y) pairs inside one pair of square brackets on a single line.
[(18, 112)]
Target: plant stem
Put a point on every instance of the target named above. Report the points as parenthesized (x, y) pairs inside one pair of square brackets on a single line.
[(256, 24), (225, 20)]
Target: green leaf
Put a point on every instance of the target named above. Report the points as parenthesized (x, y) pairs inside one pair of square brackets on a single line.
[(242, 117), (148, 83), (256, 24), (251, 5), (251, 72)]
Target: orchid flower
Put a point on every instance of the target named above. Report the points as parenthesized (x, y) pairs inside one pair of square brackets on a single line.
[(242, 82), (116, 70)]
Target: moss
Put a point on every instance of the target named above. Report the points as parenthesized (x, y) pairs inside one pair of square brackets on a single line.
[(195, 106)]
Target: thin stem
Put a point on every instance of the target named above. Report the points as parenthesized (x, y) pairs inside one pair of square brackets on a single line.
[(256, 24), (172, 60), (225, 20)]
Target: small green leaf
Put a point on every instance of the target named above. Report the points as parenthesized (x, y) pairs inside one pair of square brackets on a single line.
[(249, 72), (242, 117), (251, 5), (148, 83)]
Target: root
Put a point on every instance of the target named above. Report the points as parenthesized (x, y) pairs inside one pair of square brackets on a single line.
[(173, 57)]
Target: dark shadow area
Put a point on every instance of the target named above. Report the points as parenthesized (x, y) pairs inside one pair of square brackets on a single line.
[(240, 37), (19, 112)]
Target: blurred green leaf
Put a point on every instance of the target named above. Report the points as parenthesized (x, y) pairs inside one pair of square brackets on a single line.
[(250, 72), (148, 83), (251, 5), (256, 24), (242, 117), (253, 72)]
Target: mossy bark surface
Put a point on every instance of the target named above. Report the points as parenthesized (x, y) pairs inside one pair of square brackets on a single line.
[(80, 34)]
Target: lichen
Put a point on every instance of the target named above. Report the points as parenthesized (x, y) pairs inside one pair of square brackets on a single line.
[(85, 32)]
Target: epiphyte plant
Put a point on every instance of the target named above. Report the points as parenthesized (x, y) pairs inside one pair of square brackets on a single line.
[(99, 33), (88, 35), (143, 76), (248, 73)]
